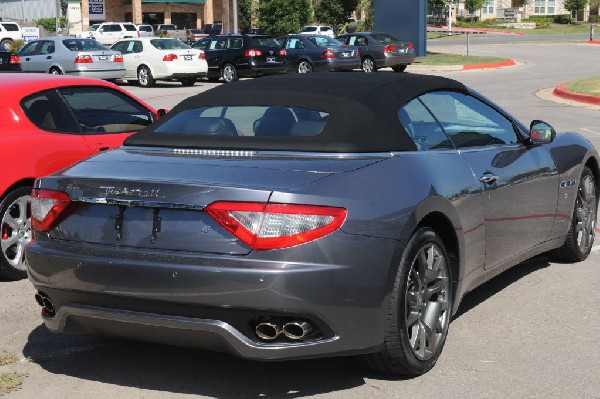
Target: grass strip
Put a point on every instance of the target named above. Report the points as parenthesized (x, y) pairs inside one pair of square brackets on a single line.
[(589, 86), (455, 59), (9, 382)]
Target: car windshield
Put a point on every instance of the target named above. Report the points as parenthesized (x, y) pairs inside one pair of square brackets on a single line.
[(83, 45), (266, 121), (324, 41), (168, 44), (309, 29), (130, 27), (93, 27), (264, 42), (384, 38)]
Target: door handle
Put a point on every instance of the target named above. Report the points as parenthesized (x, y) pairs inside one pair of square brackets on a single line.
[(27, 59), (488, 178), (100, 149), (49, 57)]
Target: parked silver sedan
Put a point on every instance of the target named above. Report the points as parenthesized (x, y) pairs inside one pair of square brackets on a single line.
[(72, 56)]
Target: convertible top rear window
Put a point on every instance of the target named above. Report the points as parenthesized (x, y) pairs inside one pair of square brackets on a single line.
[(266, 121)]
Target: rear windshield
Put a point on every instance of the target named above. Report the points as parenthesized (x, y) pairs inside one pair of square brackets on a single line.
[(325, 41), (11, 27), (168, 44), (83, 45), (264, 42), (130, 28), (196, 31), (145, 28), (246, 121), (384, 38), (309, 29)]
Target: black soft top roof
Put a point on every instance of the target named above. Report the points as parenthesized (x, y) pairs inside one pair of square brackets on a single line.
[(362, 111)]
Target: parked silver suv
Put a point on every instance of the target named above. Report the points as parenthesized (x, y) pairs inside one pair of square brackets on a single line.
[(110, 32)]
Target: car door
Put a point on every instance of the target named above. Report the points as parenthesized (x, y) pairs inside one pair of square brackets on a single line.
[(294, 49), (215, 53), (519, 181), (130, 49), (358, 41), (26, 54), (45, 56)]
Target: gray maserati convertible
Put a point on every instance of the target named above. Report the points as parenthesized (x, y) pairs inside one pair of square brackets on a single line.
[(303, 216)]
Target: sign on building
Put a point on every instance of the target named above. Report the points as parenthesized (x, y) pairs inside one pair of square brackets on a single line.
[(97, 10), (30, 33)]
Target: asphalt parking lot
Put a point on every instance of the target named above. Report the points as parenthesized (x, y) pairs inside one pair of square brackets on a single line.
[(532, 332)]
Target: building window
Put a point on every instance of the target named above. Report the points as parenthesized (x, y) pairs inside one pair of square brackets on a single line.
[(551, 8), (539, 7), (488, 7)]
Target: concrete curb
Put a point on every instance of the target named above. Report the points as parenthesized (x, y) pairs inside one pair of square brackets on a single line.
[(476, 30), (502, 64), (561, 92)]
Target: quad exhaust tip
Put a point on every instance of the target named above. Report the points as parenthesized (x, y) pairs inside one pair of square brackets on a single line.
[(294, 330), (48, 309)]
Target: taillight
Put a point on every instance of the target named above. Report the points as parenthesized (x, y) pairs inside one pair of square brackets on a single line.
[(84, 59), (390, 49), (14, 59), (273, 226), (410, 46), (118, 58), (328, 54), (46, 208), (253, 53), (170, 57), (282, 52), (202, 56)]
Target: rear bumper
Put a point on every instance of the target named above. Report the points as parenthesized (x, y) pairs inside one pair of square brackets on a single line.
[(214, 302), (106, 74), (261, 68), (391, 60), (338, 64)]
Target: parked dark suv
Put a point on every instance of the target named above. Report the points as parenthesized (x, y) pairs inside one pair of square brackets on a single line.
[(233, 56)]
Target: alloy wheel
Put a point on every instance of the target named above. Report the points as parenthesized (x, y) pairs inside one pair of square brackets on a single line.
[(585, 213), (368, 65), (143, 76), (229, 73), (16, 232), (427, 301), (304, 67)]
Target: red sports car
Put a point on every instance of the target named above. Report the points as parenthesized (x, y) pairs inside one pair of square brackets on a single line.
[(47, 123)]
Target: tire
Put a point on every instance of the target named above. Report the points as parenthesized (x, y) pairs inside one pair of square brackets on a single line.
[(368, 65), (55, 71), (304, 67), (7, 44), (582, 231), (419, 311), (145, 78), (188, 81), (213, 78), (399, 68), (228, 73), (15, 233)]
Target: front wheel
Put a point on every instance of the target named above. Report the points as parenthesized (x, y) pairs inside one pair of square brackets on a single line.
[(7, 44), (304, 67), (368, 65), (582, 231), (55, 71), (419, 311), (229, 74), (145, 78), (15, 230)]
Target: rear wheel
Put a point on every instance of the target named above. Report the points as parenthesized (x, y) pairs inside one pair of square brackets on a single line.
[(188, 81), (582, 231), (304, 67), (7, 44), (368, 65), (229, 74), (145, 78), (55, 71), (15, 232), (419, 311), (399, 68)]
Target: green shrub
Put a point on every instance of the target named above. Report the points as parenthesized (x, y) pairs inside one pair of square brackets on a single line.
[(542, 25), (50, 23), (562, 19), (17, 45), (594, 18)]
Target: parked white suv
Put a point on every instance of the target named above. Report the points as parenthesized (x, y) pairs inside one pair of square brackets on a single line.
[(145, 30), (9, 33), (317, 30), (89, 33), (110, 32)]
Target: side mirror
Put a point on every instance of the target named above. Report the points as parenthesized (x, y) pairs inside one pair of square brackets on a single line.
[(541, 133)]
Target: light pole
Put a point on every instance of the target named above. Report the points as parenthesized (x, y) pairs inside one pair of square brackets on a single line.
[(235, 16)]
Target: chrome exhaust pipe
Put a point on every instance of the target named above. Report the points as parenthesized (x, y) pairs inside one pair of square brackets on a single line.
[(267, 331), (297, 330), (39, 299), (45, 302), (49, 306)]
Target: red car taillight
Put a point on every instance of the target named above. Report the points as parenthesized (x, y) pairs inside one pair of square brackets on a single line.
[(410, 46), (118, 58), (170, 57), (46, 207), (83, 59), (273, 226), (14, 59), (202, 56), (253, 53), (390, 49), (328, 54), (282, 52)]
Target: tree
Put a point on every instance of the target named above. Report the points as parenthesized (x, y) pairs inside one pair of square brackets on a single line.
[(575, 5), (279, 17), (330, 12), (473, 5), (368, 12), (244, 15)]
